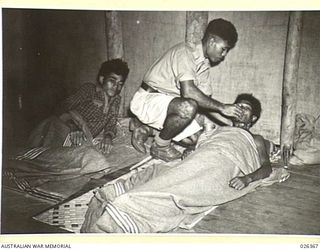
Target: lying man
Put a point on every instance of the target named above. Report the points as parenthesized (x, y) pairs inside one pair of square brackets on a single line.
[(228, 163), (251, 109), (90, 111), (177, 86)]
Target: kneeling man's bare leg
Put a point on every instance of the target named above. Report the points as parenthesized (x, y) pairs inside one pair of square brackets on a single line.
[(181, 112)]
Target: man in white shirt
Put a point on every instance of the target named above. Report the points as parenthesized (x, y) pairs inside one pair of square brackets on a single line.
[(176, 86)]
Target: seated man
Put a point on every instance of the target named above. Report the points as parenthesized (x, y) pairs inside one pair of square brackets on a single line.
[(177, 86), (91, 111), (228, 163)]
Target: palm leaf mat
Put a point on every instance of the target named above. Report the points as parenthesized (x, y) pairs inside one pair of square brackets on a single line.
[(70, 214)]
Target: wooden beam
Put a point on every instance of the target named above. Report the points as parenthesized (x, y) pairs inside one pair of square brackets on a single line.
[(290, 80), (196, 23)]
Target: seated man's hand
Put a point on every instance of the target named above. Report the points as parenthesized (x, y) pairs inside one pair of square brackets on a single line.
[(232, 110), (105, 145), (77, 138), (240, 182)]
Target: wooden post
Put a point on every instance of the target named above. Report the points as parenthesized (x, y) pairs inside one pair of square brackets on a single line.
[(290, 80), (114, 35), (196, 23), (115, 46)]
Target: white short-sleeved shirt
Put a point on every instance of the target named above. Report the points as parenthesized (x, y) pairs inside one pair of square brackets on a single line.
[(180, 63)]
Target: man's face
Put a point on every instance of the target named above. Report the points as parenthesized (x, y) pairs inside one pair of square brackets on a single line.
[(247, 118), (112, 84), (216, 50)]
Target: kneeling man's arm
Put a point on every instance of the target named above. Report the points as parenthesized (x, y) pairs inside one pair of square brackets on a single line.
[(263, 172)]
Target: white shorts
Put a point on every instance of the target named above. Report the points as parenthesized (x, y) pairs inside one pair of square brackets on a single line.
[(150, 108)]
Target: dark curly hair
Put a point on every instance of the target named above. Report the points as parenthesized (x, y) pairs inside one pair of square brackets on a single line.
[(255, 103), (117, 66), (223, 29)]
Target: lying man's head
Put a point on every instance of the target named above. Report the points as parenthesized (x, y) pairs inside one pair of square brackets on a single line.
[(112, 75), (251, 107)]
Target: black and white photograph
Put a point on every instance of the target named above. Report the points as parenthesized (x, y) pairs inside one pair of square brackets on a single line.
[(160, 122)]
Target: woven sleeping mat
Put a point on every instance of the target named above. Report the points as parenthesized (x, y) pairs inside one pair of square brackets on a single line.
[(69, 215)]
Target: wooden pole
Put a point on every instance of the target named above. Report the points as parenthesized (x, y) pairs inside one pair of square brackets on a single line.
[(290, 80), (114, 35), (115, 46), (196, 23)]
